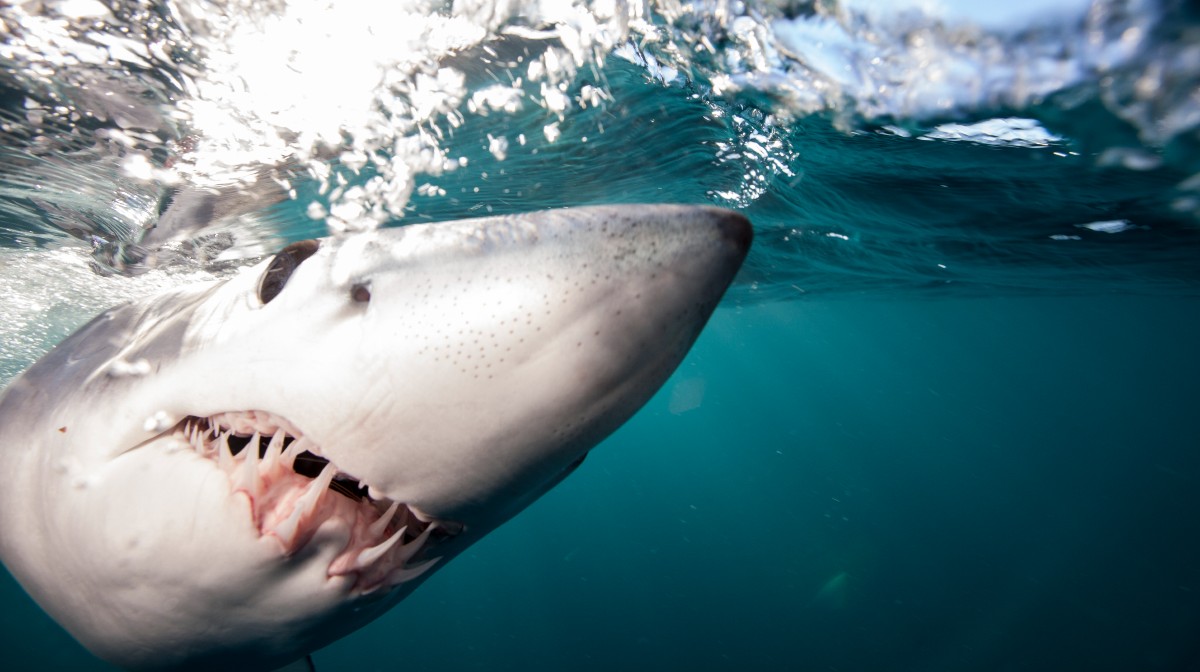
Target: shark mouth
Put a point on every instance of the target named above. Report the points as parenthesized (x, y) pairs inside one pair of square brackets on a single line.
[(294, 490)]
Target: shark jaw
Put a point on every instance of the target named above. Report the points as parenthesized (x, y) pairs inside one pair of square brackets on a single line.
[(293, 490), (232, 476)]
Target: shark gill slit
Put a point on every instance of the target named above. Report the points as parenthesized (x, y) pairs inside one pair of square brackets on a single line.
[(293, 490)]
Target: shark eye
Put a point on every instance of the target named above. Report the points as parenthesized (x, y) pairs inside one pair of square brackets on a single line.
[(282, 266)]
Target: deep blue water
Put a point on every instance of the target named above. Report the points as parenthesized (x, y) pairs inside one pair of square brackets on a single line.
[(939, 423)]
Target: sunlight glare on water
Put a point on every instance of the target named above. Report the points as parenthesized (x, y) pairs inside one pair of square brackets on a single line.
[(362, 98)]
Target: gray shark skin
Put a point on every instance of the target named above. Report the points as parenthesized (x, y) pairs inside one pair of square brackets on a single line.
[(233, 475)]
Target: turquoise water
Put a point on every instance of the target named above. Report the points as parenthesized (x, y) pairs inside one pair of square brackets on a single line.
[(946, 418), (1001, 484), (1004, 483)]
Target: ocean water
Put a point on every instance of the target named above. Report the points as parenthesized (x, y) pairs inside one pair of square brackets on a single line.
[(946, 418)]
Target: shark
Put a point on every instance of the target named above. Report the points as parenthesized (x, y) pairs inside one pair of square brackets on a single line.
[(233, 475)]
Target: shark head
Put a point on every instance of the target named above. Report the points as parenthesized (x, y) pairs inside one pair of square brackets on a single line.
[(237, 474)]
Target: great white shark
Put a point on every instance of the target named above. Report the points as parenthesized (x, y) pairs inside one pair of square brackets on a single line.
[(232, 475)]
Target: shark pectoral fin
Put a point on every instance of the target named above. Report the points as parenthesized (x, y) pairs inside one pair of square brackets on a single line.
[(304, 664)]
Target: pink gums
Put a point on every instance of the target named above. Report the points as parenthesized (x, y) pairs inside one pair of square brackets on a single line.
[(384, 535)]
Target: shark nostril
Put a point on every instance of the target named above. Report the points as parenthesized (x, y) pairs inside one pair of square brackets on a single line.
[(360, 292)]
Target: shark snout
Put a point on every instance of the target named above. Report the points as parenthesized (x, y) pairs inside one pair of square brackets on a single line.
[(736, 231), (499, 350)]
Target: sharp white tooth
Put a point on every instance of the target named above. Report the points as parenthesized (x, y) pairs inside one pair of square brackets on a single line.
[(410, 549), (286, 531), (368, 556), (271, 458), (224, 457), (317, 489), (380, 525), (248, 473), (403, 574), (209, 444), (251, 449), (295, 448), (326, 476)]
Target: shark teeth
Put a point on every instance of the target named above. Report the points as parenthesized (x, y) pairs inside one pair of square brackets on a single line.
[(294, 491), (405, 574), (377, 528), (368, 557), (246, 477)]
